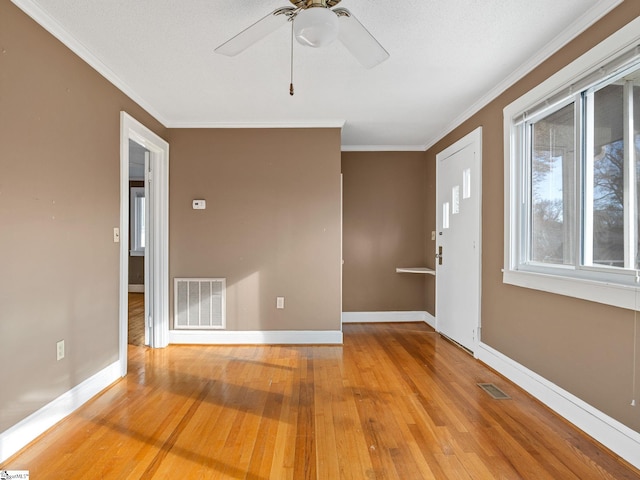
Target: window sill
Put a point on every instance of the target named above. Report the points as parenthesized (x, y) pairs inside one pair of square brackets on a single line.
[(616, 295)]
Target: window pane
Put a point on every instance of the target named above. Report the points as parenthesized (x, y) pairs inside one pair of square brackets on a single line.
[(636, 142), (137, 230), (466, 183), (141, 222), (455, 200), (552, 187), (445, 215), (608, 176)]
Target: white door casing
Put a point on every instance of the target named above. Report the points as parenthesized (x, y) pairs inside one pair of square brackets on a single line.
[(158, 229), (148, 252), (458, 215)]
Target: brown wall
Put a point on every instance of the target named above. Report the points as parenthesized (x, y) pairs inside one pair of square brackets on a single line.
[(384, 228), (430, 225), (584, 347), (271, 226), (136, 270), (59, 201)]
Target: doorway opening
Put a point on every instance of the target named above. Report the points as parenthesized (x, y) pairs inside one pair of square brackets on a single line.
[(150, 204), (138, 331)]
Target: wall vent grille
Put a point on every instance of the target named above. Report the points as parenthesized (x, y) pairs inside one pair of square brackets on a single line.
[(494, 391), (199, 303)]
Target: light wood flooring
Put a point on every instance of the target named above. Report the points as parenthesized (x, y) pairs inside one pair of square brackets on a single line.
[(397, 401), (136, 319)]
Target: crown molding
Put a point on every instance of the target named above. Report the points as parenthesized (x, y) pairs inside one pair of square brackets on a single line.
[(588, 19), (46, 21), (33, 10), (306, 124), (383, 148)]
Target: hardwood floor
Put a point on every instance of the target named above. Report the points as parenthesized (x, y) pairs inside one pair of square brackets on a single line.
[(397, 401), (136, 319)]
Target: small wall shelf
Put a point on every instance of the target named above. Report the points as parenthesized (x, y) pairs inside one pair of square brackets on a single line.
[(422, 270)]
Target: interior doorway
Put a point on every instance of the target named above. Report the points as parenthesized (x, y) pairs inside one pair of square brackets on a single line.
[(155, 209), (138, 331), (458, 242)]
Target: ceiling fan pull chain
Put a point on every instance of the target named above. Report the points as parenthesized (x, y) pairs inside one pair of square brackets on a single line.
[(291, 84)]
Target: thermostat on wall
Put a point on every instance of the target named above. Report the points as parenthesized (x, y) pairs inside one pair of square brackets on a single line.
[(199, 204)]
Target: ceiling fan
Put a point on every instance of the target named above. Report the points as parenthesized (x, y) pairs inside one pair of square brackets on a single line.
[(315, 24)]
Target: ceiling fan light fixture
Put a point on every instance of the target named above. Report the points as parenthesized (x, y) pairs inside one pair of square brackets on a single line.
[(316, 27)]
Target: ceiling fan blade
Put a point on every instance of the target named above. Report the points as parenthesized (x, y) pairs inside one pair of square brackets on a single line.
[(259, 30), (357, 39)]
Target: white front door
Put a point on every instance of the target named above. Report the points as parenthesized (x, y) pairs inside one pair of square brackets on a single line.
[(458, 240)]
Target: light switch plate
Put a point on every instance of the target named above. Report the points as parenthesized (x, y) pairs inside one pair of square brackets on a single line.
[(199, 204), (280, 302)]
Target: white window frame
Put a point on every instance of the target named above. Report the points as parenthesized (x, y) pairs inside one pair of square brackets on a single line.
[(135, 216), (619, 288)]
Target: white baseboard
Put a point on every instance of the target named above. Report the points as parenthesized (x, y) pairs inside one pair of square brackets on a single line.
[(617, 437), (27, 430), (430, 320), (267, 337), (384, 317), (136, 288)]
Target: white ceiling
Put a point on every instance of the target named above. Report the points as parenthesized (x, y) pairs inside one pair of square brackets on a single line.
[(448, 58)]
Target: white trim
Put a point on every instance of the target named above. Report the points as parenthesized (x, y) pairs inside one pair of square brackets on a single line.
[(51, 25), (382, 148), (306, 124), (135, 222), (24, 432), (135, 288), (617, 437), (589, 18), (597, 290), (617, 295), (131, 129), (256, 337), (387, 317), (430, 320)]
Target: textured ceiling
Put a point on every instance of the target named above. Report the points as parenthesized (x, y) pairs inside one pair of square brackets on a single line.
[(447, 58)]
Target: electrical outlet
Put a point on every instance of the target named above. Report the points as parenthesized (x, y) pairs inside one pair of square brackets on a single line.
[(280, 302), (60, 350)]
